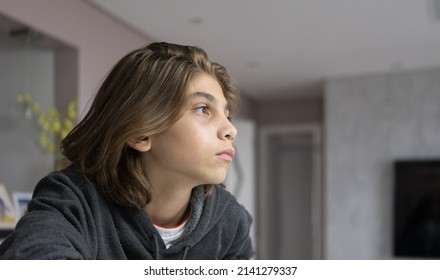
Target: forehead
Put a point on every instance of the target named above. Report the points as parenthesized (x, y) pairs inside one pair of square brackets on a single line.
[(205, 83)]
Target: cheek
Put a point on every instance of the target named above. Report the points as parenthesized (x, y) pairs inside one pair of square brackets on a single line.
[(185, 139), (194, 136)]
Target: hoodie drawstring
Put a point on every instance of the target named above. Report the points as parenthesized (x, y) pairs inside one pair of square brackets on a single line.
[(185, 252), (156, 247)]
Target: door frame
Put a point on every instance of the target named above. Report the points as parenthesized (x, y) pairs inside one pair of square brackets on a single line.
[(265, 133)]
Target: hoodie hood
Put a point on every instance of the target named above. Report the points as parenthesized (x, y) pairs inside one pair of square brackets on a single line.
[(206, 211)]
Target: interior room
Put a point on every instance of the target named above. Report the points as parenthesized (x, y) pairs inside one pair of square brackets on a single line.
[(334, 98)]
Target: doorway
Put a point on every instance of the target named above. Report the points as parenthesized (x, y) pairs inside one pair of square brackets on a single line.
[(290, 193)]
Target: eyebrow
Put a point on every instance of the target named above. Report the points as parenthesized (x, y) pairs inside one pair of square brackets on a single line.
[(205, 95)]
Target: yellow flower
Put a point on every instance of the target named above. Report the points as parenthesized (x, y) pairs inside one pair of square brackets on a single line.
[(52, 128), (71, 109), (42, 119), (56, 126), (50, 147), (36, 107), (20, 98), (43, 139)]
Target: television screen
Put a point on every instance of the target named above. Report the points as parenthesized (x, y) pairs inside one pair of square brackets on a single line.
[(417, 209)]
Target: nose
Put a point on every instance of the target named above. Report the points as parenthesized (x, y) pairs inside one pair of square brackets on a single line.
[(228, 131)]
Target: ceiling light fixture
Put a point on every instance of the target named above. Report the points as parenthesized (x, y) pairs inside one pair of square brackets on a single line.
[(196, 20)]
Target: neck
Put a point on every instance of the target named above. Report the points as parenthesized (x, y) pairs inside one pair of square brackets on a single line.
[(168, 208), (170, 195)]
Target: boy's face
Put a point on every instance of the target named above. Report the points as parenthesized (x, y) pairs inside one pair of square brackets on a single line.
[(197, 149)]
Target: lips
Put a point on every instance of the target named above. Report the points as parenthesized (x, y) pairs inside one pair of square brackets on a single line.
[(227, 154)]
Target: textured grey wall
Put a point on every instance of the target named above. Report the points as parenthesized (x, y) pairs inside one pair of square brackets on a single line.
[(370, 122), (22, 161)]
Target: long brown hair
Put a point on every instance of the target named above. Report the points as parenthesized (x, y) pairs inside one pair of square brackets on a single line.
[(143, 94)]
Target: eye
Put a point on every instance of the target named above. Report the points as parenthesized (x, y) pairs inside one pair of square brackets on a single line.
[(228, 115), (203, 110)]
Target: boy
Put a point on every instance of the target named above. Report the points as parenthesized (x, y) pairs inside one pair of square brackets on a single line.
[(147, 163)]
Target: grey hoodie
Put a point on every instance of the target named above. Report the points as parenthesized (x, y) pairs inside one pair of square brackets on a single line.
[(69, 219)]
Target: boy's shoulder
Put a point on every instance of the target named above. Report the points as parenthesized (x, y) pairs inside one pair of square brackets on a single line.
[(64, 182)]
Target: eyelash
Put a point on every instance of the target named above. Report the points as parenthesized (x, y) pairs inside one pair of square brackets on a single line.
[(206, 111), (204, 107)]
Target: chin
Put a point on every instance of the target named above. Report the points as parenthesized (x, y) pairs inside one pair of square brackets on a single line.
[(211, 177), (217, 180)]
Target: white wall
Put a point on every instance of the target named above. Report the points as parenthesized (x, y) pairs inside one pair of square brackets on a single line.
[(371, 121), (241, 176)]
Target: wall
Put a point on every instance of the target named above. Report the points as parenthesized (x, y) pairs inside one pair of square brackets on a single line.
[(300, 110), (267, 114), (23, 161), (95, 42), (240, 180), (99, 39), (283, 111), (370, 122)]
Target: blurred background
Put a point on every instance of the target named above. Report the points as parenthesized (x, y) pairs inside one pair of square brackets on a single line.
[(335, 95)]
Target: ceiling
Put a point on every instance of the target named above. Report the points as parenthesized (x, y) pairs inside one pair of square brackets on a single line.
[(16, 35), (282, 48)]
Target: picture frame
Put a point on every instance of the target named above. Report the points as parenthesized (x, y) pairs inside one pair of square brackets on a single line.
[(21, 201), (7, 210)]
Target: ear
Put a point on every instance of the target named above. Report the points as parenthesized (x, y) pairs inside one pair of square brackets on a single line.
[(141, 145)]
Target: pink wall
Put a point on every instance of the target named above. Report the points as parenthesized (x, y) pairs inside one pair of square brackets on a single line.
[(99, 39), (307, 110), (279, 111)]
